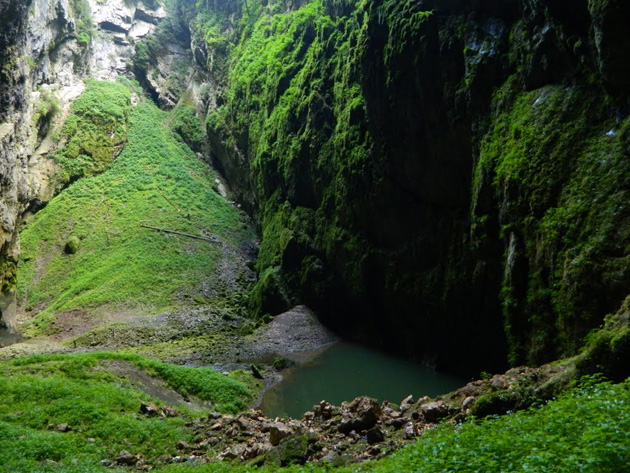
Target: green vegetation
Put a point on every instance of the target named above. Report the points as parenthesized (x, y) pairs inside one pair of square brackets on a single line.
[(94, 394), (587, 429), (95, 130), (563, 169), (84, 25), (87, 249), (295, 103), (47, 107), (185, 122)]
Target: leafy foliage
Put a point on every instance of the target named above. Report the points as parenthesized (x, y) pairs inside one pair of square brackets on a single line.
[(156, 181)]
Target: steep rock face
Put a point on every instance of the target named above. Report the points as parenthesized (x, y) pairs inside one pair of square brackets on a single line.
[(420, 172), (12, 105)]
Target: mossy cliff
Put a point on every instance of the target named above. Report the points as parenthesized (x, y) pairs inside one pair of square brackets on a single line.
[(446, 179)]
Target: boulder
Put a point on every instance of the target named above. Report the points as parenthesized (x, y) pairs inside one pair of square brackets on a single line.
[(277, 432), (127, 459), (375, 435), (407, 403), (359, 415), (468, 402), (149, 409), (433, 411)]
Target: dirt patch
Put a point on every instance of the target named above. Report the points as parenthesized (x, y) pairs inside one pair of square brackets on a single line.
[(154, 387), (73, 323)]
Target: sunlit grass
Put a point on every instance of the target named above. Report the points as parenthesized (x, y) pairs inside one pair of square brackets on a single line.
[(156, 181), (101, 407)]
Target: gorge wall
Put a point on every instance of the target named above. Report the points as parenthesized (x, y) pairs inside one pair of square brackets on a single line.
[(446, 179)]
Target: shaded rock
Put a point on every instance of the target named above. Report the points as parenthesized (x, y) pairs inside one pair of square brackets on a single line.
[(149, 409), (410, 430), (407, 403), (497, 383), (396, 423), (375, 435), (169, 412), (323, 410), (256, 372), (433, 411), (181, 445), (374, 451), (331, 456), (277, 432), (468, 402), (358, 415), (228, 454), (292, 450), (127, 459), (63, 428)]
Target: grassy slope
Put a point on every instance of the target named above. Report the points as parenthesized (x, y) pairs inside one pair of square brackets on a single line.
[(40, 392), (155, 181)]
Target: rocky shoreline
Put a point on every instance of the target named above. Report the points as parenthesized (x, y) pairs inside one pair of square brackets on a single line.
[(356, 431)]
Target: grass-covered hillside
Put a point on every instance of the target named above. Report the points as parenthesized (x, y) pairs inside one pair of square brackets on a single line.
[(77, 412), (87, 251)]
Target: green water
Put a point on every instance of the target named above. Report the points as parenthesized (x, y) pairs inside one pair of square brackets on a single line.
[(8, 338), (346, 371)]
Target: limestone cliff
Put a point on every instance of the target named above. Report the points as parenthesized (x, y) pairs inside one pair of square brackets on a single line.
[(441, 178)]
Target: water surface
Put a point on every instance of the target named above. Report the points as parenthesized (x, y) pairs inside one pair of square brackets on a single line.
[(346, 371), (8, 338)]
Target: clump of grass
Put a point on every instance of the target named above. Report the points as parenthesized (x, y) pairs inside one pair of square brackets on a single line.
[(157, 181)]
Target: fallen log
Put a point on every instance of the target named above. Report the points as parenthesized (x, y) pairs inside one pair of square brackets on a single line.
[(187, 235)]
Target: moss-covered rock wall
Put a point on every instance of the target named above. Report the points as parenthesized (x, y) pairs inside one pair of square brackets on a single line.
[(443, 178)]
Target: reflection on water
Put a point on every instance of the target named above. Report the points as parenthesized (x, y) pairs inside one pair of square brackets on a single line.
[(346, 371)]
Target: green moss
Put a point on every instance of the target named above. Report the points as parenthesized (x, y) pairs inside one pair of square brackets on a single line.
[(8, 276), (95, 130), (185, 122), (47, 108), (295, 106), (156, 181), (84, 25), (558, 173), (72, 245), (292, 450)]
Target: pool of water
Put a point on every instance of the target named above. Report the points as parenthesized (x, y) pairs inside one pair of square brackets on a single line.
[(346, 371), (8, 338)]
